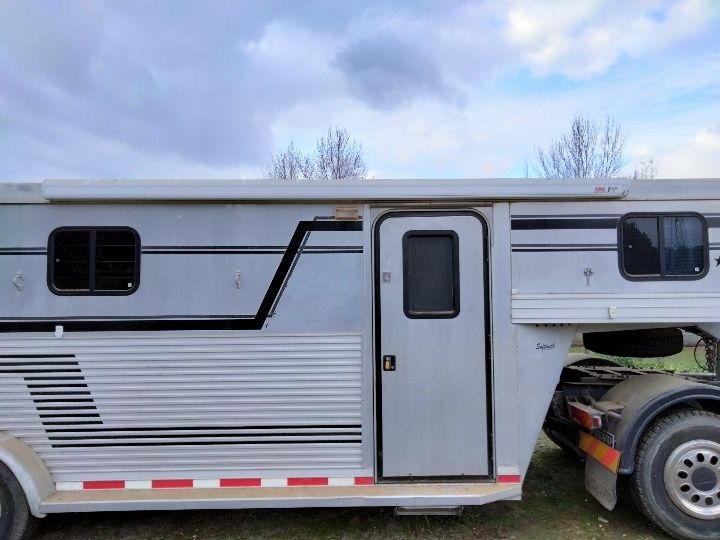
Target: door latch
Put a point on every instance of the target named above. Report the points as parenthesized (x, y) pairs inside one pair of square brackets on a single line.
[(389, 362)]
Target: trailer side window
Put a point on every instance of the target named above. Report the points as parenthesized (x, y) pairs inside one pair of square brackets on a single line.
[(663, 246), (93, 261), (431, 285)]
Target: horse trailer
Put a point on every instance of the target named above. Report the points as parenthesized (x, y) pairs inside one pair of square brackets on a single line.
[(273, 344)]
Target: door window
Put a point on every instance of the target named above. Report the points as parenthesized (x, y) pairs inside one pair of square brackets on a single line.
[(431, 288)]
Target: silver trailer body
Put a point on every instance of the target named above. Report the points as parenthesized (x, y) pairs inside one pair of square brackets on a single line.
[(312, 343)]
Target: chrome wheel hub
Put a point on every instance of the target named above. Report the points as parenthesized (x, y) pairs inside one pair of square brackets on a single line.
[(692, 478)]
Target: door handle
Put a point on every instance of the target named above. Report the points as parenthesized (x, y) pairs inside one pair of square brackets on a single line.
[(389, 362)]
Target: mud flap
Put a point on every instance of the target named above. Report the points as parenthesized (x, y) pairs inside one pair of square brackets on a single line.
[(601, 483)]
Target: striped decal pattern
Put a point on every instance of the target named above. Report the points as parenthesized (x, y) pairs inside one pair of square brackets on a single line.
[(186, 407), (266, 309), (529, 223), (212, 483), (607, 456), (566, 222)]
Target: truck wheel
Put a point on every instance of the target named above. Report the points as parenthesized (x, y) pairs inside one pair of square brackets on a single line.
[(636, 343), (676, 481), (16, 521)]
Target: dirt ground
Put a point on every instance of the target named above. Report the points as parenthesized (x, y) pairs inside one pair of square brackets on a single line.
[(555, 505)]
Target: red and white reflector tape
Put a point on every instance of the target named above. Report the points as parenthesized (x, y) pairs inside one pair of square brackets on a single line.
[(505, 476), (508, 479), (508, 475), (216, 483)]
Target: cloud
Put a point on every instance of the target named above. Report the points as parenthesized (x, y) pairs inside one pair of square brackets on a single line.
[(394, 57), (457, 88), (386, 71), (695, 157), (203, 87), (581, 40)]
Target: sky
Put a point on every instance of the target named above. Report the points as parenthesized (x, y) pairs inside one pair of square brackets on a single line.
[(444, 89)]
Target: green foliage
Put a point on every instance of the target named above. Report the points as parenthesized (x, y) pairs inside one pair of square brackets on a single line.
[(683, 362)]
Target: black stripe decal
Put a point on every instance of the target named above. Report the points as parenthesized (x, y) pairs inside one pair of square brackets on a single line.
[(124, 317), (201, 443), (171, 436), (218, 251), (62, 378), (242, 248), (286, 263), (13, 356), (349, 249), (73, 423), (239, 249), (42, 372), (23, 250), (552, 250), (580, 221), (539, 248), (87, 430), (241, 322), (563, 245), (527, 224), (536, 216), (288, 427), (310, 251)]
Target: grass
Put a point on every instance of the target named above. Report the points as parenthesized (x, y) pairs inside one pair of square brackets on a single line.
[(555, 505)]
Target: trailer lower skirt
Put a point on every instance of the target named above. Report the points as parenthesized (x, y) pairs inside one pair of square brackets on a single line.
[(409, 495)]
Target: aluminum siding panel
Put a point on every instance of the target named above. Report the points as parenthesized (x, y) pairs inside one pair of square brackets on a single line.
[(183, 404)]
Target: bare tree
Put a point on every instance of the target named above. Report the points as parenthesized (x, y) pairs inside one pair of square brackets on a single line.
[(526, 168), (289, 164), (589, 150), (647, 170), (339, 157), (336, 157)]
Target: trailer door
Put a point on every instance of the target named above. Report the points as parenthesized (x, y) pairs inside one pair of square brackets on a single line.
[(432, 345)]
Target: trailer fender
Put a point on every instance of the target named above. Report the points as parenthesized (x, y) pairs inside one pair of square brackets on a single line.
[(29, 469), (646, 396)]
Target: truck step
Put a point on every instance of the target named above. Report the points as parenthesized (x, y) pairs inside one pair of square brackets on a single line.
[(428, 510)]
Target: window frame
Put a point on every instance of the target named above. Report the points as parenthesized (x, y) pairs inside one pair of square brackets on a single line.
[(455, 274), (661, 247), (93, 247)]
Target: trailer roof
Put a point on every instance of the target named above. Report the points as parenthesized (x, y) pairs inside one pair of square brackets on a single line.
[(355, 190)]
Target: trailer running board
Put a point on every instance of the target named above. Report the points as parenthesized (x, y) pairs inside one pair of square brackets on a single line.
[(428, 510), (427, 497)]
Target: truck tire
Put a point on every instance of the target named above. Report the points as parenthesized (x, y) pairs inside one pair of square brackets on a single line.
[(636, 343), (16, 521), (676, 481)]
